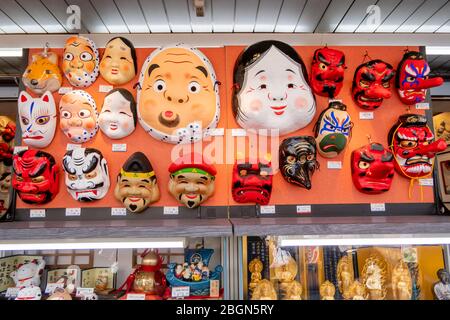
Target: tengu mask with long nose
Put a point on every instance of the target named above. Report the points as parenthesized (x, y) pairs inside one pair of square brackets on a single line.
[(252, 182), (327, 72), (298, 160)]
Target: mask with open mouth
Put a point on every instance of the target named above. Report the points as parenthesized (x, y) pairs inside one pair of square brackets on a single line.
[(298, 160), (252, 182), (86, 174), (372, 83), (327, 72)]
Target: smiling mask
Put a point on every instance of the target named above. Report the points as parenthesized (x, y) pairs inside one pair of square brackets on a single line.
[(118, 116), (118, 65)]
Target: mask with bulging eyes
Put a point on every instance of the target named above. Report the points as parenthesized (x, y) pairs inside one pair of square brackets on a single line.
[(298, 160), (327, 72), (252, 182)]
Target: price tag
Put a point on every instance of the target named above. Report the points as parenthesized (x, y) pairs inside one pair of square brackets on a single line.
[(217, 132), (334, 164), (105, 88), (73, 212), (72, 146), (12, 292), (51, 287), (304, 209), (64, 90), (267, 209), (334, 100), (118, 211), (366, 115), (37, 213), (136, 296), (423, 106), (426, 182), (377, 207), (214, 288), (180, 292), (20, 148), (170, 210), (119, 147), (238, 132), (84, 291)]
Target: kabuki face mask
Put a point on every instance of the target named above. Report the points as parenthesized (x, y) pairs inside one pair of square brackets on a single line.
[(252, 182), (327, 72)]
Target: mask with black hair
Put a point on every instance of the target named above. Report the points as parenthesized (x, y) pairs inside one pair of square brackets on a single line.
[(118, 65)]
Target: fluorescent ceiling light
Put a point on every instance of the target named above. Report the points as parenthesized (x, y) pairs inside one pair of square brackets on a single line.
[(438, 50), (11, 52)]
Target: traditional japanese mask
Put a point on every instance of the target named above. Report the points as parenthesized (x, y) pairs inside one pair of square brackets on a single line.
[(271, 89), (412, 79), (87, 176), (372, 168), (412, 144), (80, 61), (79, 116), (327, 73), (118, 65), (28, 274), (137, 186), (333, 129), (252, 182), (298, 160), (191, 180), (37, 119), (372, 84), (36, 176), (118, 116), (43, 73), (178, 95)]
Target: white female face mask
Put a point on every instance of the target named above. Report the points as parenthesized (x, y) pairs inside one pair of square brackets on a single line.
[(116, 118)]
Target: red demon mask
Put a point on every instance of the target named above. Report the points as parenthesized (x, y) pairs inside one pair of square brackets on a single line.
[(8, 132), (412, 144), (327, 72), (372, 168), (371, 84), (36, 176), (252, 182), (412, 79)]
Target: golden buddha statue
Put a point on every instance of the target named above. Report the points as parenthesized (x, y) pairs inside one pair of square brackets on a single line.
[(357, 291), (293, 291), (264, 290), (255, 267), (374, 277), (327, 291), (345, 276), (401, 282)]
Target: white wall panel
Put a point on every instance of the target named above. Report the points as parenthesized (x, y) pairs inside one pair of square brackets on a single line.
[(311, 15), (110, 16), (155, 14), (267, 16), (290, 13)]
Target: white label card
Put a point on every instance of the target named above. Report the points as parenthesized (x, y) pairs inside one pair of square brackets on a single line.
[(12, 292), (170, 210), (105, 88), (426, 182), (119, 147), (334, 164), (136, 296), (180, 292), (118, 211), (50, 288), (20, 148), (377, 207), (368, 115), (72, 146), (73, 212), (84, 291), (217, 132), (37, 213), (423, 106), (304, 209), (267, 209), (238, 132), (64, 90), (334, 100)]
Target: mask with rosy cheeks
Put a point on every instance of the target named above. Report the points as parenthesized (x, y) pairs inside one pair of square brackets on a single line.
[(36, 176), (79, 116), (372, 168), (412, 80), (412, 143), (271, 89), (327, 73), (118, 116), (118, 65), (252, 183), (80, 61), (372, 84)]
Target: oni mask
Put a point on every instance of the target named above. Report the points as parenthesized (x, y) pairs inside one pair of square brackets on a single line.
[(333, 129), (79, 116), (412, 79), (36, 176), (118, 116), (412, 144), (327, 73), (298, 160), (191, 180), (37, 119), (372, 83), (118, 65), (372, 168), (136, 184), (86, 175), (80, 61), (178, 95), (271, 89), (252, 182), (7, 134), (43, 73)]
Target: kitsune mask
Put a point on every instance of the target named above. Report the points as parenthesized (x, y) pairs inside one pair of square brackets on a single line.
[(118, 65), (327, 74), (252, 182), (37, 119), (43, 73)]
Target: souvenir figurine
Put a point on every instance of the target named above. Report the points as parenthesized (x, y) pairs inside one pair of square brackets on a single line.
[(37, 119), (271, 88), (345, 276), (264, 291), (333, 130), (119, 64), (372, 83), (60, 294), (79, 116), (327, 72), (401, 282), (412, 79), (5, 189), (43, 73), (327, 291), (357, 291), (80, 61), (255, 267), (191, 180), (178, 95), (298, 160), (252, 183), (28, 274), (86, 174), (374, 277), (293, 291), (372, 168), (137, 186), (7, 134), (29, 293), (442, 288), (36, 176)]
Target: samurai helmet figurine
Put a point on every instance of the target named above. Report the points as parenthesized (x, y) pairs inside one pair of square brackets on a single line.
[(252, 182), (327, 74)]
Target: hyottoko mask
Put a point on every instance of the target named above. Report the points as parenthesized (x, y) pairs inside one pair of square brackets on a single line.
[(79, 116), (80, 61), (178, 95), (298, 160), (137, 186), (327, 72), (37, 119), (333, 129), (36, 176), (7, 134), (86, 174), (412, 79), (43, 73), (191, 180), (118, 116), (372, 168), (412, 144), (118, 65), (271, 89), (252, 182), (372, 83)]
